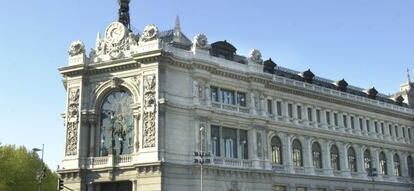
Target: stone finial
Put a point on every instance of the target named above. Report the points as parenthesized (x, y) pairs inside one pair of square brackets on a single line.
[(256, 56), (150, 33), (177, 30), (76, 48), (408, 76), (200, 41)]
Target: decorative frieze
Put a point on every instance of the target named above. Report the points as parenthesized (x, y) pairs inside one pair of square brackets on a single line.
[(150, 110), (72, 122)]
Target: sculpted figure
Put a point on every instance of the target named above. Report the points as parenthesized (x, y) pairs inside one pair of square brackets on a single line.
[(256, 56)]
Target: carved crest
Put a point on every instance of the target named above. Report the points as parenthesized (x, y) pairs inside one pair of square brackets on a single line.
[(76, 48), (150, 33), (201, 41), (256, 56)]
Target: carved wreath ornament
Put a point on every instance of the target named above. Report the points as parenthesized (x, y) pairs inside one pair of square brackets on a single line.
[(76, 47), (201, 41), (150, 33)]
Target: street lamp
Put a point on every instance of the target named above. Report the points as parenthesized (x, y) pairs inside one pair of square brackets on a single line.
[(41, 173), (373, 175), (201, 157)]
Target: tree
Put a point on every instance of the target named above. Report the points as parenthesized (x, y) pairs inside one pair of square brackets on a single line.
[(19, 168)]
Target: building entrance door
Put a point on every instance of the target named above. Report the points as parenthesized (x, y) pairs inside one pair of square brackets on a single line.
[(116, 186)]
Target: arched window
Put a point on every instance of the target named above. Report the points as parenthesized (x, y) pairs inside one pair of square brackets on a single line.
[(117, 124), (410, 165), (316, 155), (276, 145), (297, 153), (382, 164), (367, 161), (397, 165), (335, 158), (352, 164)]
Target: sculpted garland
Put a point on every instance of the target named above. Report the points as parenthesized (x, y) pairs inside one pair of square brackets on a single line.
[(72, 122), (149, 111)]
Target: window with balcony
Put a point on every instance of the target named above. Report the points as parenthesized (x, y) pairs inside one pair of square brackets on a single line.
[(117, 124), (352, 163), (382, 164), (335, 158), (241, 99), (316, 155), (397, 165), (215, 140), (230, 142), (297, 153), (243, 144), (410, 166), (367, 161), (276, 145), (228, 96)]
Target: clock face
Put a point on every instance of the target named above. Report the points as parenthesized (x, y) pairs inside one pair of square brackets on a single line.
[(115, 32)]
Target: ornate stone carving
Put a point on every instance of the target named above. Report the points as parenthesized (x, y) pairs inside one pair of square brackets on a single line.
[(201, 41), (115, 82), (259, 144), (72, 123), (150, 33), (76, 48), (256, 56), (117, 42), (150, 110)]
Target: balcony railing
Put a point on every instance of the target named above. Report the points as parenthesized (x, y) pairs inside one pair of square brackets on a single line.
[(228, 162), (92, 162), (229, 107)]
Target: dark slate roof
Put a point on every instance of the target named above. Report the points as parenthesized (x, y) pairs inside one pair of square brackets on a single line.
[(168, 36)]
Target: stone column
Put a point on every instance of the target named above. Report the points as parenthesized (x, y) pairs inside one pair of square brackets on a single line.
[(323, 119), (295, 114), (285, 111), (287, 152), (343, 159), (92, 139), (207, 93), (390, 163), (359, 152), (387, 135), (341, 122), (404, 167), (375, 159), (326, 158), (364, 127), (315, 121), (307, 156), (262, 102)]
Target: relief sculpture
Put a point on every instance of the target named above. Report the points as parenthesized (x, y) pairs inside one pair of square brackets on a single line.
[(72, 123), (149, 111)]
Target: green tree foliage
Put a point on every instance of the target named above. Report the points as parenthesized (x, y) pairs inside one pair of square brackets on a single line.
[(19, 169)]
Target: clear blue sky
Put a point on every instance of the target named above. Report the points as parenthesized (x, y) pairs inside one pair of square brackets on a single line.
[(369, 43)]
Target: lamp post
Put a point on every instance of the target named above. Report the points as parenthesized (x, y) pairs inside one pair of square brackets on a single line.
[(41, 173), (373, 175), (201, 157)]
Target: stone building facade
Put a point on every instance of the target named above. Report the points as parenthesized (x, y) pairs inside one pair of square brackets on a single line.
[(139, 106)]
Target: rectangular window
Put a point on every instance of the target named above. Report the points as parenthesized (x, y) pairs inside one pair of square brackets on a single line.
[(345, 122), (382, 129), (336, 119), (227, 96), (244, 144), (368, 127), (214, 94), (396, 131), (328, 117), (279, 108), (269, 106), (241, 99), (403, 131), (310, 114), (299, 111), (361, 125), (318, 115), (230, 142), (390, 129), (279, 188), (409, 133), (300, 189), (215, 140), (290, 110), (352, 122), (376, 127)]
